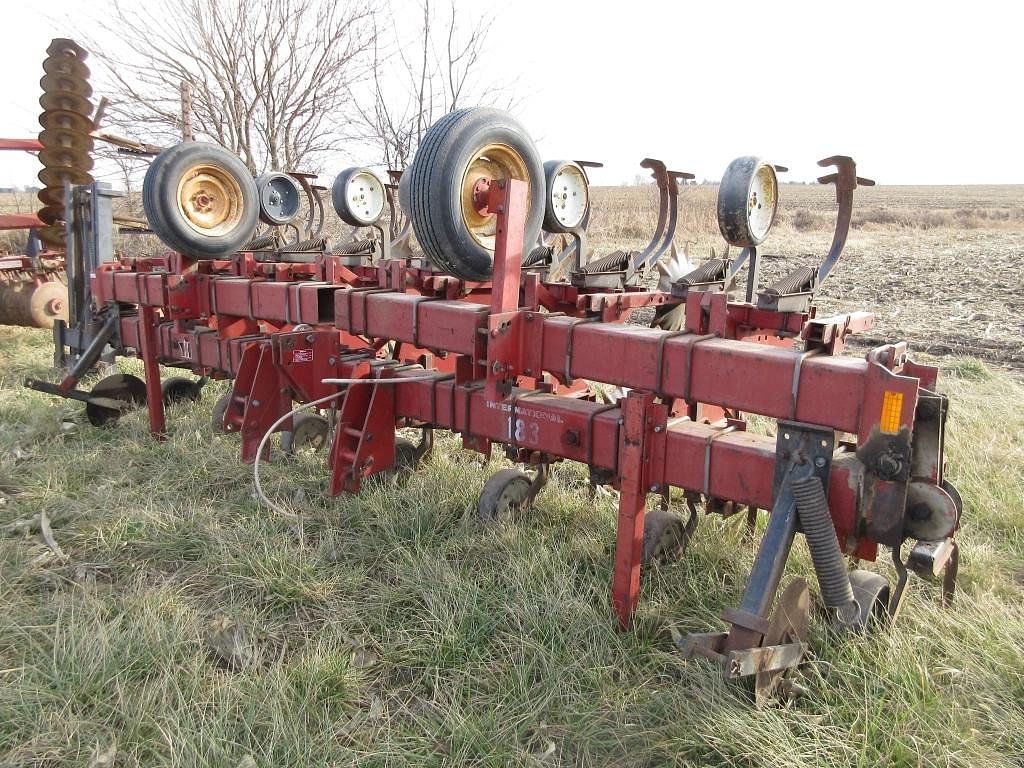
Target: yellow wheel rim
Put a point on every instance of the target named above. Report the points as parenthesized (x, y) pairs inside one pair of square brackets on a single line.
[(210, 200), (492, 162)]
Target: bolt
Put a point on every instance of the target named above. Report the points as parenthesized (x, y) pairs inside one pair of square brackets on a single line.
[(819, 462), (654, 489), (496, 367), (309, 338), (331, 361), (889, 466), (658, 429), (255, 403)]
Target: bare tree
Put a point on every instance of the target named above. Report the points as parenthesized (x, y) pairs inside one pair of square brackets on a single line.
[(424, 77), (270, 80)]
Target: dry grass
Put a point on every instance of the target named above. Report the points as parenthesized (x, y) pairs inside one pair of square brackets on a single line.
[(395, 629)]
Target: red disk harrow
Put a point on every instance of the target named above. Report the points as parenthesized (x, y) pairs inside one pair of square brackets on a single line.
[(498, 327)]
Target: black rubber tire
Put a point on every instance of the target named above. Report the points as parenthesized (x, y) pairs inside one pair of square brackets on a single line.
[(551, 222), (342, 207), (403, 191), (288, 199), (871, 591), (159, 200), (406, 455), (435, 187), (733, 200), (119, 386), (219, 409), (665, 537), (309, 431), (406, 460), (178, 389), (503, 494)]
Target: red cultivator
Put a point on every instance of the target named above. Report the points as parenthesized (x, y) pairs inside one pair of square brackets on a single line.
[(495, 332)]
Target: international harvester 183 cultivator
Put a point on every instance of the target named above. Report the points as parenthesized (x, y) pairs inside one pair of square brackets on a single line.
[(496, 326)]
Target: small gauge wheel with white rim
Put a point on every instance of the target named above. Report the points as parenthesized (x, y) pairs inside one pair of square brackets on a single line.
[(358, 197), (748, 199), (568, 196)]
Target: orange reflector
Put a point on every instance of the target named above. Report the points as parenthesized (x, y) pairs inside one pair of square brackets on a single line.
[(892, 409)]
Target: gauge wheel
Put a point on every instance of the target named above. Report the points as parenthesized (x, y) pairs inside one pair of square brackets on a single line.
[(279, 197), (403, 191), (665, 537), (567, 196), (871, 591), (407, 457), (460, 155), (178, 389), (200, 200), (219, 409), (748, 199), (308, 433), (504, 495), (129, 390), (358, 197)]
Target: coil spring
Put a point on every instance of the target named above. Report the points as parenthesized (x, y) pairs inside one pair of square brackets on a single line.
[(812, 507), (796, 281), (262, 242), (610, 263), (304, 246), (357, 246), (709, 272), (538, 255)]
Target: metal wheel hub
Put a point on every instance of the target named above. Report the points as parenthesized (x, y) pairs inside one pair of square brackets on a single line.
[(481, 195), (210, 200), (492, 163), (762, 202), (570, 196)]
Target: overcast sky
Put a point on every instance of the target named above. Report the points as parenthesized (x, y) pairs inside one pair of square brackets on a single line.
[(916, 92)]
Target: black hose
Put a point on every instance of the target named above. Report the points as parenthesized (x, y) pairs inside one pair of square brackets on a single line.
[(812, 508)]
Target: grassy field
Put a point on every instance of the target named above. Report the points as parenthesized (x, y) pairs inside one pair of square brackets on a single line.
[(156, 614)]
